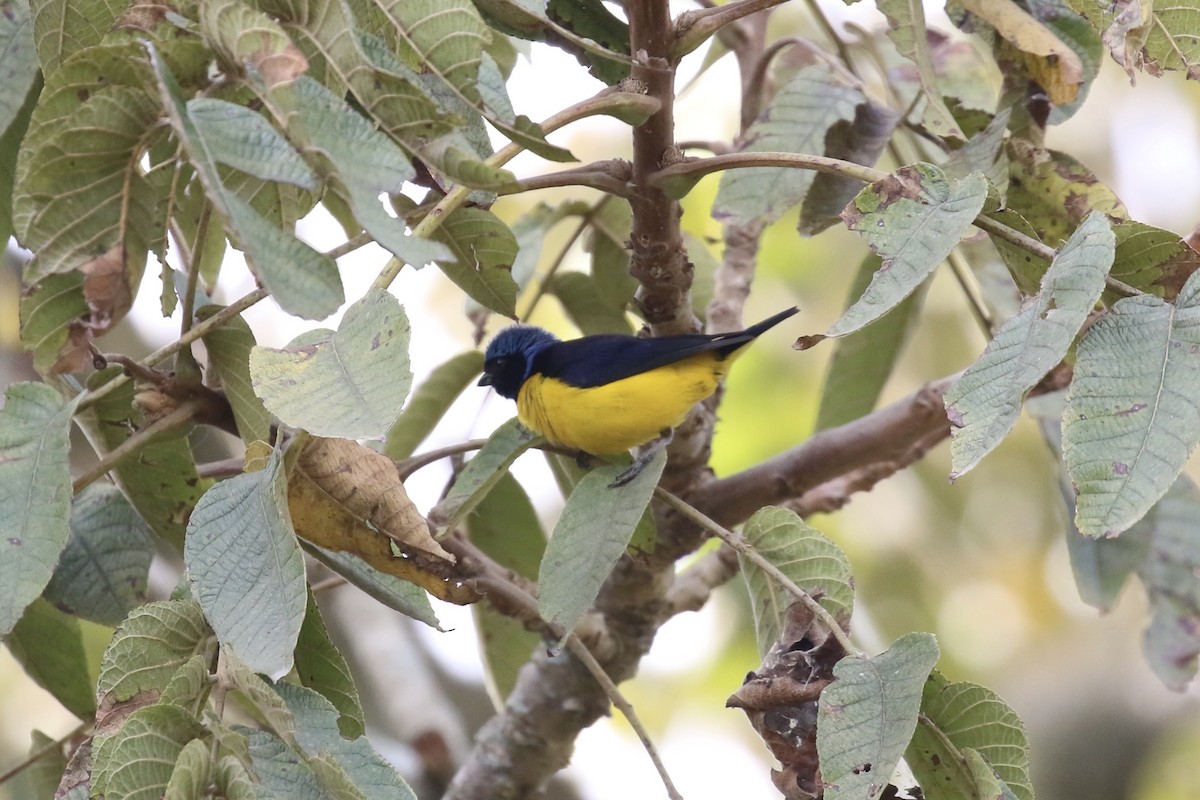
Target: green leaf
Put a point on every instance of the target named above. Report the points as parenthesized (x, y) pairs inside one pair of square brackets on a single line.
[(48, 644), (592, 532), (323, 669), (55, 324), (505, 525), (318, 736), (243, 139), (303, 281), (813, 562), (138, 759), (1132, 418), (1050, 194), (82, 199), (398, 595), (481, 473), (796, 121), (161, 482), (907, 29), (18, 59), (192, 773), (447, 38), (912, 219), (430, 402), (259, 694), (579, 296), (961, 717), (530, 231), (11, 140), (63, 27), (279, 771), (862, 362), (229, 347), (1167, 538), (44, 774), (867, 716), (860, 141), (1151, 259), (245, 567), (1102, 566), (361, 161), (350, 383), (155, 642), (984, 153), (101, 574), (35, 493), (983, 405), (484, 249)]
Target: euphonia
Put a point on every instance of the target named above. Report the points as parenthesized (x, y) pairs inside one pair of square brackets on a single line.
[(610, 393)]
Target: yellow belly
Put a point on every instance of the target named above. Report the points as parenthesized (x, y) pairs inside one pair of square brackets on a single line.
[(620, 415)]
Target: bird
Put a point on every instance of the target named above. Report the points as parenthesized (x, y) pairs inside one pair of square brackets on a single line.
[(609, 393)]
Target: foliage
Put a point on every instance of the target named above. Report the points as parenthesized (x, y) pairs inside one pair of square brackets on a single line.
[(177, 132)]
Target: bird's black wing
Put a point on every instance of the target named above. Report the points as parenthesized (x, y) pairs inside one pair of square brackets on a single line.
[(597, 360)]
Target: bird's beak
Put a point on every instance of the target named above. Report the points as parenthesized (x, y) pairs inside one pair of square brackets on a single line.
[(485, 380)]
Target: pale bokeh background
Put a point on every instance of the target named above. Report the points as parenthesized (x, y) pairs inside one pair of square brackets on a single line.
[(981, 563)]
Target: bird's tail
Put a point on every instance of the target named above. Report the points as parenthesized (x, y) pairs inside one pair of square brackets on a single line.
[(731, 344), (770, 322)]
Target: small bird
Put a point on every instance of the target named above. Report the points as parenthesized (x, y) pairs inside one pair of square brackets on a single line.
[(607, 394)]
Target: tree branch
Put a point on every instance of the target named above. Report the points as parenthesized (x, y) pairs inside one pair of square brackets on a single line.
[(882, 436), (658, 258)]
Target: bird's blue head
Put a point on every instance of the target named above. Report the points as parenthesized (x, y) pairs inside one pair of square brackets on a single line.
[(508, 361)]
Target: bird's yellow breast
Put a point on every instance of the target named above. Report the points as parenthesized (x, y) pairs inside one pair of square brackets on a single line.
[(620, 415)]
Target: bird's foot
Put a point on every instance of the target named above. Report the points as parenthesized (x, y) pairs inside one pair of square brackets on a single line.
[(649, 451)]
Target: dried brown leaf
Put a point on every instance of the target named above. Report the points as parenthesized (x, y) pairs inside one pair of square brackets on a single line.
[(346, 497)]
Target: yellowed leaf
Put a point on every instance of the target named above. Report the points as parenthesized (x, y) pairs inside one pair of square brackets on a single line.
[(347, 497), (1051, 62)]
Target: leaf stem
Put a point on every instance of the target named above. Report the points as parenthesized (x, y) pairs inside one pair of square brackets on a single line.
[(747, 551)]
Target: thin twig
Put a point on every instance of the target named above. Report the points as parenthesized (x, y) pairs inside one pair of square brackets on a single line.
[(603, 102), (544, 284), (746, 550), (38, 755), (520, 602), (827, 27), (410, 465), (618, 700), (966, 282), (140, 438), (198, 330), (350, 245), (225, 468), (332, 582)]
